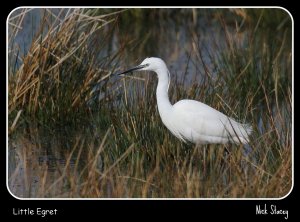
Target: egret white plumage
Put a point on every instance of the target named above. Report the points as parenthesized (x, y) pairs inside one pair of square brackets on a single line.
[(190, 120)]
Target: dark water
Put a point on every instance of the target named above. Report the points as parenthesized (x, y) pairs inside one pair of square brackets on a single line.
[(170, 39)]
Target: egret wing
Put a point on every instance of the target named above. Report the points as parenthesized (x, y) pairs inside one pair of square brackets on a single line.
[(194, 116)]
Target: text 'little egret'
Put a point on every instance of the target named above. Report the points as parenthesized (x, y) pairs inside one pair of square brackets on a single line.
[(190, 120)]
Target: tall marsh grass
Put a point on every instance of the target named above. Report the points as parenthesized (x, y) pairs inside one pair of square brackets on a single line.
[(56, 77), (124, 150)]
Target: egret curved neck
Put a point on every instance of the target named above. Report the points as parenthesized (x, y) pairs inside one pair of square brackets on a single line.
[(163, 101)]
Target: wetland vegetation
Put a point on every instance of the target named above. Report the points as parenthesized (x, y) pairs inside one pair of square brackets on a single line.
[(76, 132)]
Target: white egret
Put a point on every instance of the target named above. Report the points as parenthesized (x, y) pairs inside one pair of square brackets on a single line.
[(190, 120)]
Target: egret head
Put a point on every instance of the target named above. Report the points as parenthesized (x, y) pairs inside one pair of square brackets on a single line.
[(150, 64)]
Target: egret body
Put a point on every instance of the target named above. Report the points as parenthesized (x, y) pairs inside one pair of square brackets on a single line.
[(190, 120)]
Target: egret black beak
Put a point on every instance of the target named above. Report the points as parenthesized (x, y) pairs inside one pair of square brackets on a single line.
[(133, 69)]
